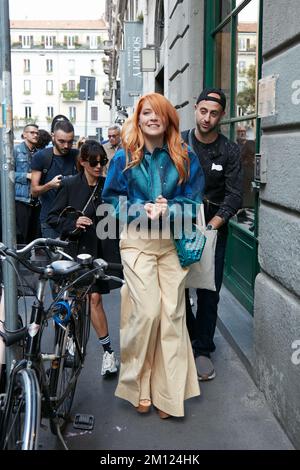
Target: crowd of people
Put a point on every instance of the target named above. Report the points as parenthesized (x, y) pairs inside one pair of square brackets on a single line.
[(152, 175)]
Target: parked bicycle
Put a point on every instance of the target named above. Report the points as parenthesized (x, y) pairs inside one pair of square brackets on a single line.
[(34, 390)]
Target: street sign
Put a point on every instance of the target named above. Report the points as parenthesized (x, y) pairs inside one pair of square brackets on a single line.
[(131, 77), (87, 83)]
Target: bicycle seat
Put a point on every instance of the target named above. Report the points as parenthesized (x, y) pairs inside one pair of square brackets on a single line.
[(63, 267)]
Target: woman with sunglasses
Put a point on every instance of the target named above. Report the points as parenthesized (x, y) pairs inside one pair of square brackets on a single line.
[(83, 191)]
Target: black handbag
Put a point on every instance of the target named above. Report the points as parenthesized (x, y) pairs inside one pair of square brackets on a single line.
[(73, 214)]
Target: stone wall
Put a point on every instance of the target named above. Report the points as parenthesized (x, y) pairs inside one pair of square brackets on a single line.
[(277, 290)]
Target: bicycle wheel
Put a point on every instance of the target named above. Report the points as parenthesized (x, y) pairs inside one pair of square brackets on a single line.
[(63, 374), (22, 412)]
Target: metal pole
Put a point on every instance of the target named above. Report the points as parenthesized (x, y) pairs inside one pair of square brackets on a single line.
[(86, 106), (7, 175)]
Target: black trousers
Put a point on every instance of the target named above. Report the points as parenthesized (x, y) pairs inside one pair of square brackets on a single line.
[(27, 222), (202, 327)]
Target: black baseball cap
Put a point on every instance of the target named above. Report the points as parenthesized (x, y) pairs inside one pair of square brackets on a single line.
[(204, 95)]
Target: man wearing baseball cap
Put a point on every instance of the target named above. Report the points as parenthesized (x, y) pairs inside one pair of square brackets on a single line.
[(221, 163)]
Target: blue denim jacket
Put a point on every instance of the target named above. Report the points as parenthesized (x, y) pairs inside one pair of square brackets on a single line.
[(156, 175), (22, 167)]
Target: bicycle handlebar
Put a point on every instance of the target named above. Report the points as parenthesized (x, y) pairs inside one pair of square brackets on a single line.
[(47, 242), (115, 266), (100, 264), (41, 242)]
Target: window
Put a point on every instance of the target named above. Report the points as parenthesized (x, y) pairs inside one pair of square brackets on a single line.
[(242, 66), (27, 87), (26, 65), (71, 85), (93, 42), (49, 87), (27, 112), (49, 42), (242, 43), (50, 112), (93, 70), (49, 65), (94, 113), (71, 66), (72, 113), (71, 42), (27, 42)]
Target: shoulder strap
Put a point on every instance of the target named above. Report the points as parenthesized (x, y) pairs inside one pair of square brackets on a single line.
[(222, 146), (190, 141), (48, 153), (91, 197)]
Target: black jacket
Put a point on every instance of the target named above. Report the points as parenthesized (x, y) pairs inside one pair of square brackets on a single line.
[(75, 192), (221, 163)]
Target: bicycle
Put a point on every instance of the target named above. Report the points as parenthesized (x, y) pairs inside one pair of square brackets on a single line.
[(35, 392)]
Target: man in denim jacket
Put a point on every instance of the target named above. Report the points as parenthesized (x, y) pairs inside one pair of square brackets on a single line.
[(27, 208)]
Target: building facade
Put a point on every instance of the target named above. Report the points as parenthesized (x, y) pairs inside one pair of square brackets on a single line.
[(244, 47), (48, 58)]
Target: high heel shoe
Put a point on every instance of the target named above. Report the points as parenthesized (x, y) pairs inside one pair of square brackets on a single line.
[(144, 406), (163, 414)]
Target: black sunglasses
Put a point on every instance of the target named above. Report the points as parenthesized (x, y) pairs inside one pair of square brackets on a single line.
[(95, 163)]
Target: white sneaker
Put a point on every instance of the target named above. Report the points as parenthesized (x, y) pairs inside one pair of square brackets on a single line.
[(205, 368), (110, 364)]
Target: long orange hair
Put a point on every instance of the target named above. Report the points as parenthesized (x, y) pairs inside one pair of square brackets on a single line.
[(133, 139)]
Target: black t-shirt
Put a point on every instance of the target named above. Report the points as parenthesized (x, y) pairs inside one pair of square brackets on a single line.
[(61, 165), (221, 164)]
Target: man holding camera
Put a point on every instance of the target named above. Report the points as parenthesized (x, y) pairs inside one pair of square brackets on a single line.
[(49, 167)]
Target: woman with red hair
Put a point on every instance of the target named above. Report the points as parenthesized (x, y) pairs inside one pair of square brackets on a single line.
[(153, 183)]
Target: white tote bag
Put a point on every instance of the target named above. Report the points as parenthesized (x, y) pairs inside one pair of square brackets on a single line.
[(201, 274)]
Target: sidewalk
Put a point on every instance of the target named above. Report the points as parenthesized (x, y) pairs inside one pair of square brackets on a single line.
[(230, 414)]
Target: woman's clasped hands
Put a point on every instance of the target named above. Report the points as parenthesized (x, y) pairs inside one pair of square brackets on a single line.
[(157, 209)]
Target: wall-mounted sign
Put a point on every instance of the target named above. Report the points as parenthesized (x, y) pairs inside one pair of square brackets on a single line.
[(267, 96), (131, 77)]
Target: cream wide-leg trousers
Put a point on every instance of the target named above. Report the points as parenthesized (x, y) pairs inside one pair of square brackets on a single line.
[(157, 361)]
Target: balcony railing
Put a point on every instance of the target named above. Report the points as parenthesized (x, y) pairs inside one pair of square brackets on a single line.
[(59, 46)]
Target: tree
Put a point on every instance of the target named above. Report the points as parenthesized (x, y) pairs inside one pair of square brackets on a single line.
[(246, 98)]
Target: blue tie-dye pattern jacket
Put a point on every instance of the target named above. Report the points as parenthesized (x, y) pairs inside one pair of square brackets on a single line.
[(156, 175)]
